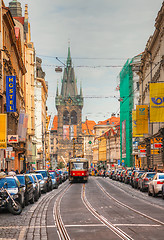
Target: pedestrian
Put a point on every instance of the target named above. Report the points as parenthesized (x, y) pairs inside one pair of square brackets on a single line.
[(17, 172)]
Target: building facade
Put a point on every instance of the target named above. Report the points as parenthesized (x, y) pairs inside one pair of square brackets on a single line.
[(12, 64)]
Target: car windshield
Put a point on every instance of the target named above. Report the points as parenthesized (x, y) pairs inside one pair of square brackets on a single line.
[(150, 175), (21, 179), (161, 176), (52, 175), (11, 183), (31, 179), (140, 174), (34, 176), (43, 173), (39, 176)]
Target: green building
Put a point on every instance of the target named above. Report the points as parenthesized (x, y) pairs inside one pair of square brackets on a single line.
[(126, 106)]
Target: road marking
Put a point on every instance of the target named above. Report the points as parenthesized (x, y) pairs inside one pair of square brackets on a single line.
[(137, 225), (80, 225)]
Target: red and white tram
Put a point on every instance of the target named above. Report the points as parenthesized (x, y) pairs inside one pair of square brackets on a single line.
[(78, 169)]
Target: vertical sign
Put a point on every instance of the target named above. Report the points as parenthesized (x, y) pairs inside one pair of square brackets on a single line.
[(156, 102), (3, 131), (142, 119), (10, 93), (124, 139)]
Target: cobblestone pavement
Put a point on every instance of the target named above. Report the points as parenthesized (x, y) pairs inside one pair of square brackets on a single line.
[(31, 224)]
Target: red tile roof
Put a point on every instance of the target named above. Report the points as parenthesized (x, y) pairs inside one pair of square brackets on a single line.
[(111, 121), (20, 19), (87, 127)]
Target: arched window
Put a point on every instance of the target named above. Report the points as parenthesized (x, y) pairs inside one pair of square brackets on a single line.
[(66, 118), (73, 118)]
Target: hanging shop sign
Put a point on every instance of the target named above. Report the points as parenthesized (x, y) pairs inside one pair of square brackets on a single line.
[(142, 150), (3, 131), (156, 102), (156, 145), (12, 138), (10, 93), (141, 119)]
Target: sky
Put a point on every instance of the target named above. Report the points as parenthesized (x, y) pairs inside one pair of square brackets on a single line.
[(102, 35)]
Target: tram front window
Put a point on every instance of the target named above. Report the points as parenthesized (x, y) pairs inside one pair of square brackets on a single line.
[(79, 166)]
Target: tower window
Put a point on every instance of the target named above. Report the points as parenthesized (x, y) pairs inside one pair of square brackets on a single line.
[(66, 118), (73, 118)]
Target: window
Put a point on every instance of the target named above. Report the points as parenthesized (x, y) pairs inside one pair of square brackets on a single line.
[(66, 118), (73, 118)]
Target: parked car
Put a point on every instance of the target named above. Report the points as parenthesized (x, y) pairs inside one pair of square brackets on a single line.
[(144, 180), (163, 191), (136, 178), (57, 176), (28, 188), (37, 184), (125, 174), (111, 173), (54, 182), (121, 175), (155, 186), (42, 181), (114, 175), (118, 174), (65, 173), (127, 177), (15, 188), (132, 176), (47, 178)]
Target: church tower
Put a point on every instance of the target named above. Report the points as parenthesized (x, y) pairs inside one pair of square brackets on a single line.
[(69, 105), (15, 8)]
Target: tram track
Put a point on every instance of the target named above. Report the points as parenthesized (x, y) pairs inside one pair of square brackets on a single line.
[(102, 219), (61, 230), (128, 207), (36, 210)]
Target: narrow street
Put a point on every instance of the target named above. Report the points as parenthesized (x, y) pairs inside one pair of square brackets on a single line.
[(99, 209)]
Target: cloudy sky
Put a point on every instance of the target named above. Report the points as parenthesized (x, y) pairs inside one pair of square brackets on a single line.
[(103, 35)]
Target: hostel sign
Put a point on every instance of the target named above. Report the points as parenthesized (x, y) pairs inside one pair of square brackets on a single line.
[(10, 93)]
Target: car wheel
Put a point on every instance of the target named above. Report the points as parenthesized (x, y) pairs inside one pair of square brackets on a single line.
[(26, 201), (154, 194), (32, 200), (162, 194), (23, 204), (149, 193)]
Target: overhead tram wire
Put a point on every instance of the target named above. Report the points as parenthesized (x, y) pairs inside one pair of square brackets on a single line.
[(84, 58), (86, 66)]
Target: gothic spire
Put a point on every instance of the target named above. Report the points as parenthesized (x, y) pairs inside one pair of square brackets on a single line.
[(69, 86)]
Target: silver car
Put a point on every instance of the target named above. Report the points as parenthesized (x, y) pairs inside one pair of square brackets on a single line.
[(42, 181), (54, 182)]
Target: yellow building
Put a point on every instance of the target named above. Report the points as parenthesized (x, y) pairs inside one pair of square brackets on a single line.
[(102, 148)]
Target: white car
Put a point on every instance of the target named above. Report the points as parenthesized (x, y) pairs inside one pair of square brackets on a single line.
[(155, 186)]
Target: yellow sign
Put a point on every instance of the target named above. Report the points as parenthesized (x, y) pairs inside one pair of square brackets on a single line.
[(134, 124), (156, 102), (3, 131), (142, 119)]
